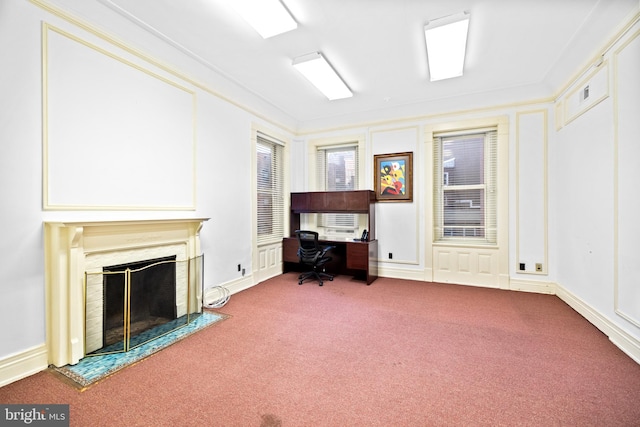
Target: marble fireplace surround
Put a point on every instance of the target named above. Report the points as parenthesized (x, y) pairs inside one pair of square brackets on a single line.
[(71, 248)]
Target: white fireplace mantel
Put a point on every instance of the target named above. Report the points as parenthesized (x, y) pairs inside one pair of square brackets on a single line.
[(67, 245)]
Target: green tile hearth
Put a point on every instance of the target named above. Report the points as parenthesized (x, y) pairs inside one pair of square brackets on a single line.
[(94, 368)]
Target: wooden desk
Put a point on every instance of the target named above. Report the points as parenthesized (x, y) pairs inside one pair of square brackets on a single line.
[(357, 259)]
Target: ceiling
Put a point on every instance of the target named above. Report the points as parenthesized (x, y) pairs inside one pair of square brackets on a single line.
[(517, 50)]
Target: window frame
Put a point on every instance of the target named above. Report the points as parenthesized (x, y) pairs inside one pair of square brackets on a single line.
[(488, 187), (277, 194), (314, 147)]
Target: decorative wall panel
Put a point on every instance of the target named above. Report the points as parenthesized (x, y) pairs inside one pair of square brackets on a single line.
[(627, 197), (117, 133)]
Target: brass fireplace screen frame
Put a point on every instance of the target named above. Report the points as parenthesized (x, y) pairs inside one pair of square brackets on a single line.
[(192, 303)]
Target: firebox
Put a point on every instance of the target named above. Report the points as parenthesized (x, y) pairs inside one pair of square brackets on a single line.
[(138, 296), (130, 304)]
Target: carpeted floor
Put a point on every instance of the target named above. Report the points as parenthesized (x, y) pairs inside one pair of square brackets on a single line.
[(95, 368), (396, 353)]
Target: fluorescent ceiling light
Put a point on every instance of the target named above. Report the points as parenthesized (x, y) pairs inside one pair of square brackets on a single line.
[(446, 45), (320, 73), (267, 17)]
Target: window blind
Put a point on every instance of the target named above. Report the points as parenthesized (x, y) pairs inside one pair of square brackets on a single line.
[(270, 193), (337, 169), (465, 199)]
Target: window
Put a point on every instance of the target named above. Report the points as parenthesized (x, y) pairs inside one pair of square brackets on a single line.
[(465, 202), (337, 169), (270, 193)]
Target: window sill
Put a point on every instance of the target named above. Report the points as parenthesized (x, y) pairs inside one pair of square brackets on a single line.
[(465, 244)]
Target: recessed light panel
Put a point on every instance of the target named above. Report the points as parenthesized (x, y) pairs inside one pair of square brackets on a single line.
[(446, 46), (320, 73), (267, 17)]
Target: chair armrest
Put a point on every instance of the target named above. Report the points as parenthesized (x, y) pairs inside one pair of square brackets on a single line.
[(326, 249)]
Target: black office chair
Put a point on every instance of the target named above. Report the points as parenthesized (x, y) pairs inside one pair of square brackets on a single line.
[(312, 254)]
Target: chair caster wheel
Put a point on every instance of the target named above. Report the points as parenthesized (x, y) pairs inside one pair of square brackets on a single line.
[(320, 284), (299, 282), (331, 279)]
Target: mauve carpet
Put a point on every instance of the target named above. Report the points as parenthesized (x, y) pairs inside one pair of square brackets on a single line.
[(396, 353)]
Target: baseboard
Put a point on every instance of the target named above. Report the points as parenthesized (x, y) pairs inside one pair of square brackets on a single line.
[(505, 282), (403, 273), (534, 286), (623, 340), (23, 364), (238, 285)]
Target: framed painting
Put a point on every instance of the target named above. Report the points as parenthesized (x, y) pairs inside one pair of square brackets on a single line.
[(393, 177)]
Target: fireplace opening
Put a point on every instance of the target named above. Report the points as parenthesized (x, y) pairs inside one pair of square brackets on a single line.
[(138, 296)]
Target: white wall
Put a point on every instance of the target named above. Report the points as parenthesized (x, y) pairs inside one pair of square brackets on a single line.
[(594, 191), (399, 224), (21, 250)]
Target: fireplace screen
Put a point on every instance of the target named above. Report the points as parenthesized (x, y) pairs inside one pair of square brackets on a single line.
[(128, 305)]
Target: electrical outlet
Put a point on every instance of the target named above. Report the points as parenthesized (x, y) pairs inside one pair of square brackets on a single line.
[(239, 267), (538, 266), (390, 255), (522, 266)]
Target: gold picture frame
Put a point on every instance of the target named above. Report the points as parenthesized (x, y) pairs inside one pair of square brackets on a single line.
[(393, 177)]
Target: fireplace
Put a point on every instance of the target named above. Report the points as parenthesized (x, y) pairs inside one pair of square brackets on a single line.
[(78, 257)]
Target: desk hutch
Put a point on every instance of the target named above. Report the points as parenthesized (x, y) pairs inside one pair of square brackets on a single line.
[(353, 257)]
